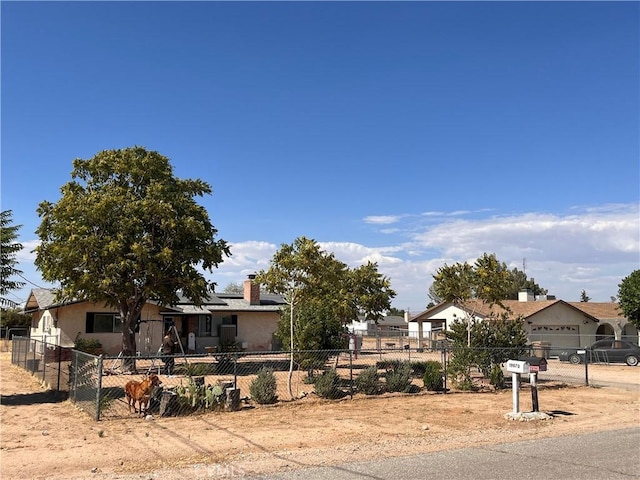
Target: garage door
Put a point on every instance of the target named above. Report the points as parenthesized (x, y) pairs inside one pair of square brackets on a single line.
[(557, 335)]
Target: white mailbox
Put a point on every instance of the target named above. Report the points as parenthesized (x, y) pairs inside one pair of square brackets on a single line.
[(517, 366)]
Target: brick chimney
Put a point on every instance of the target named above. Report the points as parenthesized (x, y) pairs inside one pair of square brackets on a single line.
[(252, 291)]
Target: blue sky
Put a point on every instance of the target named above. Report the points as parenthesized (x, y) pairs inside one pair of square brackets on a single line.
[(412, 134)]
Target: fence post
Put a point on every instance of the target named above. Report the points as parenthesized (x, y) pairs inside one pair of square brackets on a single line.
[(444, 368), (235, 370), (33, 363), (59, 354), (586, 367), (351, 372), (99, 389), (74, 362), (44, 362)]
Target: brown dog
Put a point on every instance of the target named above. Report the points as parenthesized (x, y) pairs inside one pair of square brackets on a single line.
[(140, 392)]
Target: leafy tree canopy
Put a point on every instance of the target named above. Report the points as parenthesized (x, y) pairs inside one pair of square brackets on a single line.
[(322, 295), (234, 288), (126, 230), (485, 345), (395, 311), (487, 279), (303, 273), (14, 318), (8, 250), (629, 297)]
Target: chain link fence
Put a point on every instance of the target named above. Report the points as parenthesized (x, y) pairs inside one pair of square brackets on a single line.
[(193, 384)]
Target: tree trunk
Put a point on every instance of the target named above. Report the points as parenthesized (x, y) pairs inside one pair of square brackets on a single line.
[(129, 314), (128, 346)]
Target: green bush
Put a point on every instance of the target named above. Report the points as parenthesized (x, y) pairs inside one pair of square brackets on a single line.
[(263, 387), (368, 381), (399, 379), (496, 378), (419, 368), (327, 385), (432, 375)]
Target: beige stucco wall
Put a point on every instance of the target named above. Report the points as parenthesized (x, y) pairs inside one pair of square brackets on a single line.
[(561, 326), (256, 330), (71, 321)]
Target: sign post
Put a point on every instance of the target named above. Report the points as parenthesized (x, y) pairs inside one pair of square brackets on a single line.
[(516, 367), (536, 364)]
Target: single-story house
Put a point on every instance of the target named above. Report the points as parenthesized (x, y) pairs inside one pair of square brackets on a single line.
[(556, 322), (248, 319)]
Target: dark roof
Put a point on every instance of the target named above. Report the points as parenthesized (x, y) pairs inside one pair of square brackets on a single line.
[(43, 298)]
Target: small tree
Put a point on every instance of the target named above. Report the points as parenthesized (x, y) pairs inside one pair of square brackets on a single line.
[(234, 288), (322, 295), (487, 280), (629, 297), (8, 250), (493, 341), (127, 230), (584, 297)]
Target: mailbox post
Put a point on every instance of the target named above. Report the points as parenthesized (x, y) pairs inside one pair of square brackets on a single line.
[(536, 364), (516, 367)]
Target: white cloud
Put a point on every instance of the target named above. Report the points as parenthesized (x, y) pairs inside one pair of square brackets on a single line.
[(590, 248), (27, 254), (382, 219)]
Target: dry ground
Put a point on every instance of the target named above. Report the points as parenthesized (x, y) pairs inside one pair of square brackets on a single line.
[(43, 437)]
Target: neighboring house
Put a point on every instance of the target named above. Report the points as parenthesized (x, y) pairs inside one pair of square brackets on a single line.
[(363, 326), (556, 322), (248, 319)]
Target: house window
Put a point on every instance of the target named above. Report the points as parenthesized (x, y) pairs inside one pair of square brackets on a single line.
[(209, 326), (205, 326), (230, 320), (103, 323)]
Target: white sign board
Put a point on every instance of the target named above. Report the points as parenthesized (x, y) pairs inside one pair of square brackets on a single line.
[(517, 366)]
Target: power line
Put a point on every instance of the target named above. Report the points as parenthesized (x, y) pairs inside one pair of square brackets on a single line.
[(27, 280)]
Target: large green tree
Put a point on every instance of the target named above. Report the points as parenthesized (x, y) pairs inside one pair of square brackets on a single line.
[(519, 282), (8, 251), (629, 297), (487, 279), (127, 230), (321, 290)]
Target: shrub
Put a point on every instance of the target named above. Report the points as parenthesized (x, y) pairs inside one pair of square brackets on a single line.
[(399, 379), (419, 368), (368, 382), (432, 375), (496, 378), (328, 385), (263, 387)]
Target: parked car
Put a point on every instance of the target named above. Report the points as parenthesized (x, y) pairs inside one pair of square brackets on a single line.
[(608, 350)]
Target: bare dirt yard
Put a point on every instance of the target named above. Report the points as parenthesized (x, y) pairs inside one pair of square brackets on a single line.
[(42, 436)]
